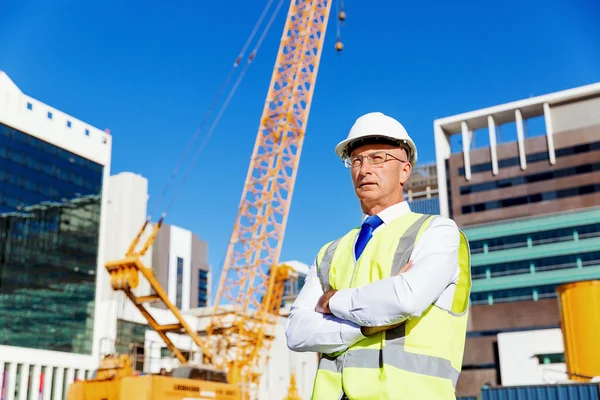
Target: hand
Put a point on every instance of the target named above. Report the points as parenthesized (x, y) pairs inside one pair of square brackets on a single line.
[(323, 303)]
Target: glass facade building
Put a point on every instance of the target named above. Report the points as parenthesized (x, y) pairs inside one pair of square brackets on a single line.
[(425, 205), (50, 202), (525, 259), (421, 190)]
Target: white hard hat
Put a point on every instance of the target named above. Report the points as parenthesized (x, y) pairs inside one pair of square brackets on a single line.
[(378, 125)]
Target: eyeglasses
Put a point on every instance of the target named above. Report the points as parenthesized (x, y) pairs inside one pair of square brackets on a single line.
[(376, 158)]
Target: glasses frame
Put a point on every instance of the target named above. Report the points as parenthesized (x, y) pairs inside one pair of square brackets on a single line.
[(348, 161)]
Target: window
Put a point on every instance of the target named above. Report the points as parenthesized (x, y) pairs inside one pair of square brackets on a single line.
[(426, 206), (49, 232), (131, 337), (533, 158), (68, 124), (292, 288), (536, 238), (537, 265), (551, 358), (87, 132), (531, 178), (49, 115), (517, 294), (179, 295), (532, 198), (29, 106), (202, 288)]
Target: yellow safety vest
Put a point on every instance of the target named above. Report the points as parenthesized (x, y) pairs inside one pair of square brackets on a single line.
[(420, 359)]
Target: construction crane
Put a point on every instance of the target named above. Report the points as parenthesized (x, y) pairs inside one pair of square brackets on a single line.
[(249, 297), (240, 331)]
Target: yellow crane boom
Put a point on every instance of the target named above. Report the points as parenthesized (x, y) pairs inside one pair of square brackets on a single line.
[(238, 332), (124, 275)]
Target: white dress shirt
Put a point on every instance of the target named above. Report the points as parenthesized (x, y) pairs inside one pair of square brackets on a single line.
[(432, 279)]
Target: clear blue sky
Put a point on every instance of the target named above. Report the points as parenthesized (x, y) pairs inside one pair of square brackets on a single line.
[(147, 70)]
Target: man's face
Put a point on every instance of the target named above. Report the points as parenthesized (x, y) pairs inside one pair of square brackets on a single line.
[(380, 184)]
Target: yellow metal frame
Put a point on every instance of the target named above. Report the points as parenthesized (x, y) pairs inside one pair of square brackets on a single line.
[(124, 276)]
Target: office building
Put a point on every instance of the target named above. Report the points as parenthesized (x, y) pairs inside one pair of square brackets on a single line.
[(523, 182), (532, 175), (126, 214), (53, 176), (177, 256), (525, 258), (127, 202), (293, 286), (421, 189), (180, 262)]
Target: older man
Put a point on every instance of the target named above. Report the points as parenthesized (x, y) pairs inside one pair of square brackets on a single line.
[(386, 304)]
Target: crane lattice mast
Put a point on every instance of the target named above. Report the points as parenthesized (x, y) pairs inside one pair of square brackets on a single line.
[(240, 331)]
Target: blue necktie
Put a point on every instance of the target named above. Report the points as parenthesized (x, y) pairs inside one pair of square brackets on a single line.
[(366, 233)]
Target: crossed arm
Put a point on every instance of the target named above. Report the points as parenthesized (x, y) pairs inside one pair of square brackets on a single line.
[(333, 321)]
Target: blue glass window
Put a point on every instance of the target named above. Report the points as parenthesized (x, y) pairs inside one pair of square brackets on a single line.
[(49, 227), (179, 296), (202, 288)]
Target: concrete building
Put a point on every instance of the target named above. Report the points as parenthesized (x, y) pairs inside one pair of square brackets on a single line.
[(52, 242), (178, 257), (180, 261), (126, 213), (529, 202), (293, 286), (421, 189), (557, 171), (532, 357)]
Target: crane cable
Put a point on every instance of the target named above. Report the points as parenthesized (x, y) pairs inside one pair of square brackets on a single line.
[(226, 103), (194, 137), (340, 8)]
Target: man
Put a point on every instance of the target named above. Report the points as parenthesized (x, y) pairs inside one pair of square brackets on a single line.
[(386, 305)]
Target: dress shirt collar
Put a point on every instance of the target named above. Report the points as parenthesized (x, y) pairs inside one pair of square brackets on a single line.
[(392, 212)]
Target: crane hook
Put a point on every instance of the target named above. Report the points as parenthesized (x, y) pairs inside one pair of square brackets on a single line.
[(342, 16)]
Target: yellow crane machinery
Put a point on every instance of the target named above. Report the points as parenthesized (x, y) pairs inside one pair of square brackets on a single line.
[(115, 378), (241, 329)]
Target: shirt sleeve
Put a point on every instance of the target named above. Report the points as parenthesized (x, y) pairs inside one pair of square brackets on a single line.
[(308, 330), (392, 300)]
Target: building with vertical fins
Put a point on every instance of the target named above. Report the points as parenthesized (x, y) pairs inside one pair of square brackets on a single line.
[(522, 180)]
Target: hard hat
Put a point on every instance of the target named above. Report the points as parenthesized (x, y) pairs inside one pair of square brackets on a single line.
[(378, 125)]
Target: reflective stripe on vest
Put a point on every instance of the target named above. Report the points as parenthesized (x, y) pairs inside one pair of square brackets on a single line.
[(325, 264), (394, 354)]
